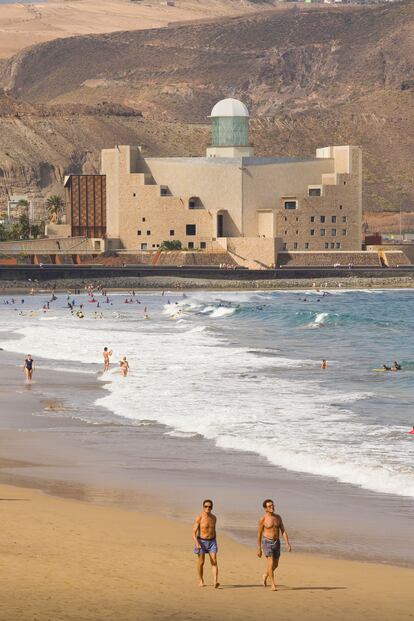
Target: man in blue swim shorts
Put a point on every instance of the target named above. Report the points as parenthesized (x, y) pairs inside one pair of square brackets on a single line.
[(268, 540), (204, 536)]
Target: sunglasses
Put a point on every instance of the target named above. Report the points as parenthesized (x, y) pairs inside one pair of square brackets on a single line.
[(208, 506)]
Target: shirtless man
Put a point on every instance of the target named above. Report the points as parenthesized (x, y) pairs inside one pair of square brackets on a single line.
[(29, 367), (107, 353), (268, 541), (124, 366), (204, 536)]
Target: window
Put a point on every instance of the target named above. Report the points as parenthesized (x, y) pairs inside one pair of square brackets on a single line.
[(285, 219), (333, 219), (297, 219), (306, 246), (322, 232), (343, 231), (190, 229), (194, 202), (322, 218), (312, 232), (333, 232), (172, 232), (284, 246), (148, 232), (343, 218), (314, 191), (340, 206), (190, 245), (326, 245), (143, 246), (153, 245), (296, 232), (203, 245), (285, 231), (312, 218), (290, 204), (143, 219), (295, 245), (138, 232), (133, 194), (338, 245), (344, 182), (163, 191), (332, 245)]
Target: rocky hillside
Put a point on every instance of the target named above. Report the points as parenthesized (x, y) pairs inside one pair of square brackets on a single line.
[(310, 77)]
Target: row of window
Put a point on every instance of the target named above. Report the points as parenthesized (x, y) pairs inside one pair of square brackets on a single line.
[(190, 229), (190, 245), (322, 232), (322, 219), (328, 245)]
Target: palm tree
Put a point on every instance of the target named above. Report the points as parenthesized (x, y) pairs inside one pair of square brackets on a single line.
[(54, 206)]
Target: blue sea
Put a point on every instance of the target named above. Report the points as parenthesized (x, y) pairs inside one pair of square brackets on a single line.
[(243, 370)]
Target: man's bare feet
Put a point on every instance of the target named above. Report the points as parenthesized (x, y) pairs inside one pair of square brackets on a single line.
[(264, 580), (201, 584), (274, 587), (216, 586)]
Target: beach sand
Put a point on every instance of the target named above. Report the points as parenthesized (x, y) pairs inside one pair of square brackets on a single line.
[(65, 559)]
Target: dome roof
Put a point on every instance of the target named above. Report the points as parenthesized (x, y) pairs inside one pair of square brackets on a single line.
[(229, 107)]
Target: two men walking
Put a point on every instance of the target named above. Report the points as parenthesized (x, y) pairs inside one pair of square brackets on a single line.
[(268, 541)]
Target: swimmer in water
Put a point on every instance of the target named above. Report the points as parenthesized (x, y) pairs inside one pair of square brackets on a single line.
[(29, 367), (412, 431), (384, 366), (396, 366), (324, 364), (124, 366)]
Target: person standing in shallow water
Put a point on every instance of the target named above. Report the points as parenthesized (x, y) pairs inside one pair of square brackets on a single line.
[(205, 542), (28, 368), (124, 366), (268, 540), (107, 353)]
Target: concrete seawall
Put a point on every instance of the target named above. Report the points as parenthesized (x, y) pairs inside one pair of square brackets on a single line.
[(19, 273)]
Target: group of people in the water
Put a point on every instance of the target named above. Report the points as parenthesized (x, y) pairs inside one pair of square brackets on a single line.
[(395, 367)]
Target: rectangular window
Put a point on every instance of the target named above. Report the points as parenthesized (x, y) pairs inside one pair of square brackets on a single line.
[(203, 245), (190, 229), (295, 245), (190, 245), (143, 246), (322, 232), (284, 246), (343, 231), (322, 218), (306, 246), (326, 245), (148, 232), (138, 232), (312, 218), (164, 191), (333, 232), (312, 232), (143, 219), (332, 245), (172, 232), (285, 231), (290, 204), (338, 245), (333, 219), (343, 218), (314, 191)]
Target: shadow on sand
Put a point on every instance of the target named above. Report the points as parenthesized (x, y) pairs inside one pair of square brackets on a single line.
[(283, 587)]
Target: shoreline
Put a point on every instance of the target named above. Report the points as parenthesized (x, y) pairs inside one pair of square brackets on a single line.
[(121, 464)]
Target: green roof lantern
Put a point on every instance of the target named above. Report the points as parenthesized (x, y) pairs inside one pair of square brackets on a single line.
[(229, 124)]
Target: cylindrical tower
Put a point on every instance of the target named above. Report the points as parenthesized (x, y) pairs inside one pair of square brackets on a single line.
[(229, 129)]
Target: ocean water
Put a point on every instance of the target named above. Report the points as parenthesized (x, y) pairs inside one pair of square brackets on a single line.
[(243, 370)]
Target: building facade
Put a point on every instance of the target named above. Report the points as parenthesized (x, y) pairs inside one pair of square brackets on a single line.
[(255, 206)]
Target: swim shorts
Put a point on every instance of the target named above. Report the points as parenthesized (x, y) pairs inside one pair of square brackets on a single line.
[(208, 546), (271, 547)]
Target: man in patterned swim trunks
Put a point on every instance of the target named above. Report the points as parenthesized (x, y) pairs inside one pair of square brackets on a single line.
[(268, 540), (204, 536)]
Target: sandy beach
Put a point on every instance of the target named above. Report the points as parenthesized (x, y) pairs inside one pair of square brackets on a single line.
[(65, 559), (97, 520)]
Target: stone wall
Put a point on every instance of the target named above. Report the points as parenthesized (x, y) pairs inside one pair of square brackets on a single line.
[(328, 259)]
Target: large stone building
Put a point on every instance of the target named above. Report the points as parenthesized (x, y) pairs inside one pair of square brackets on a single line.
[(252, 206)]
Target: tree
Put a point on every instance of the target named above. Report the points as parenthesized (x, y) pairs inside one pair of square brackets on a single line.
[(173, 244), (36, 230), (55, 205), (24, 225)]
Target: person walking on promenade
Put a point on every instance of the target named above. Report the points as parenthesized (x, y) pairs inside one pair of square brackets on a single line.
[(29, 367), (268, 540), (107, 353), (205, 542)]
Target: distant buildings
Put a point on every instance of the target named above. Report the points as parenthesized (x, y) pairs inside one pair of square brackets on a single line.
[(254, 207)]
